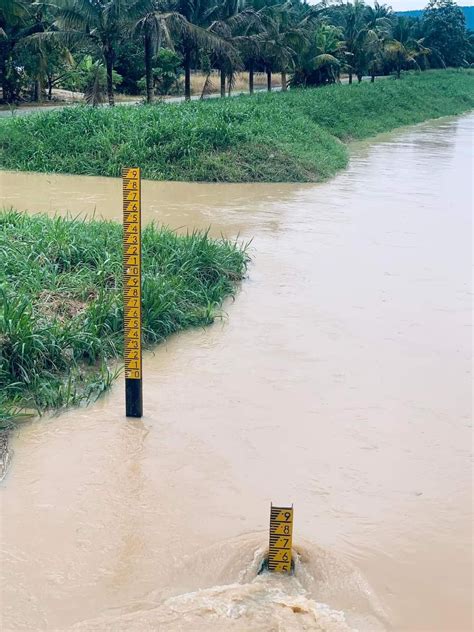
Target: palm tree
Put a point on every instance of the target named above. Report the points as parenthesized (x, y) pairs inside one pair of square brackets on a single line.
[(403, 47), (159, 25), (251, 52), (21, 24), (230, 17), (354, 35), (378, 23), (12, 16), (250, 36), (285, 33), (19, 19), (322, 59), (379, 17), (99, 22), (375, 56), (196, 34), (469, 47)]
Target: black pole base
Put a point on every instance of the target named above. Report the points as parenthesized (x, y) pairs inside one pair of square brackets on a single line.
[(133, 398)]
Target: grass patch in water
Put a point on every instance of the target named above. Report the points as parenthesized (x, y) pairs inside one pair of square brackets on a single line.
[(294, 136), (61, 313)]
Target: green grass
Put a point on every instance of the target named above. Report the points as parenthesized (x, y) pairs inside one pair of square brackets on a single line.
[(294, 136), (61, 316)]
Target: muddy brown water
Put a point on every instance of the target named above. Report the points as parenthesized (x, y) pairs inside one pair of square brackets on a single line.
[(339, 380)]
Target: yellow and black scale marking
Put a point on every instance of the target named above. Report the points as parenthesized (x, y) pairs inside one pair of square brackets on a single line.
[(281, 534), (132, 284)]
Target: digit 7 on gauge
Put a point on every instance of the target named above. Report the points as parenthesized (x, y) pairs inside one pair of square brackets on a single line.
[(281, 535)]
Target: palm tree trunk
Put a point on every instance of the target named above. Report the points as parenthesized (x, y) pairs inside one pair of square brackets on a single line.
[(110, 83), (269, 80), (350, 76), (251, 72), (148, 66), (8, 86), (187, 75), (38, 90), (205, 86), (222, 84), (3, 72), (284, 81)]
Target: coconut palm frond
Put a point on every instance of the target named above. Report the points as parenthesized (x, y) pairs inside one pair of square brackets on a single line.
[(69, 39), (13, 10), (203, 38), (77, 13), (93, 92), (159, 27), (208, 87), (71, 19), (325, 59), (244, 20)]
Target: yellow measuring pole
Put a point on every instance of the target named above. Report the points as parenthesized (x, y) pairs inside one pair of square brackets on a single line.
[(132, 290), (281, 534)]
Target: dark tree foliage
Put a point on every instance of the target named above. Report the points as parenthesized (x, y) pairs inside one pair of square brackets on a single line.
[(130, 64), (444, 26)]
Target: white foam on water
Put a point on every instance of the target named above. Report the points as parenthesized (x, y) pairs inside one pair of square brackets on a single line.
[(253, 601), (263, 604)]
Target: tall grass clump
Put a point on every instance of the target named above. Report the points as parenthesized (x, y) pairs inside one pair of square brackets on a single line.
[(294, 136), (61, 313)]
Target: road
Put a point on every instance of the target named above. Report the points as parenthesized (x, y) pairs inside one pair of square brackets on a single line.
[(26, 110)]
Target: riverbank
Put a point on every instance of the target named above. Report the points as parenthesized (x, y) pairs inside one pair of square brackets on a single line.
[(298, 136), (61, 315)]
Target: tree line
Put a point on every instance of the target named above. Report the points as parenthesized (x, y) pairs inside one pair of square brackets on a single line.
[(97, 45)]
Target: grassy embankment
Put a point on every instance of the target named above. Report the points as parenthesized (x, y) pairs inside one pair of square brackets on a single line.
[(294, 136), (61, 314)]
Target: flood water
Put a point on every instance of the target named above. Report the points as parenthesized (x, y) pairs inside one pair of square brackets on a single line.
[(339, 380)]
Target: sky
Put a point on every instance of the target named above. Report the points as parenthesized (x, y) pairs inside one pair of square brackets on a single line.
[(405, 5)]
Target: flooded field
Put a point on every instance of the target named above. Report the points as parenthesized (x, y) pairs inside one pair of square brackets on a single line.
[(339, 381)]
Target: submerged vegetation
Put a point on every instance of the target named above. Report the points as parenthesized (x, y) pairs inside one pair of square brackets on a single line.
[(61, 315), (292, 136)]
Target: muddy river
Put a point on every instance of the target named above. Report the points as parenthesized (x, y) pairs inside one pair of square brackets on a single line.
[(338, 380)]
